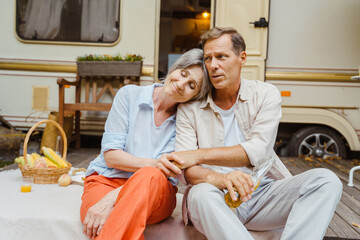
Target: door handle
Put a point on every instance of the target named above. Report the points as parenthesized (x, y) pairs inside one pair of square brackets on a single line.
[(261, 23)]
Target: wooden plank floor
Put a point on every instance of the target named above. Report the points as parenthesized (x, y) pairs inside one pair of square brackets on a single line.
[(347, 212), (347, 215)]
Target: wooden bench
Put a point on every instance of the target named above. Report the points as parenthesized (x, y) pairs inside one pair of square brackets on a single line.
[(93, 94)]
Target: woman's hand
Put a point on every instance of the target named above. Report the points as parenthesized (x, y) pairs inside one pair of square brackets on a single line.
[(97, 214), (167, 167)]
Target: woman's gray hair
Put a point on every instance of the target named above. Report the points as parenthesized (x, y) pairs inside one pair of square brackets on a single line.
[(190, 58)]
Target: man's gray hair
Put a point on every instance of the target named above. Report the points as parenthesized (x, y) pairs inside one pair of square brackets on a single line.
[(190, 58), (238, 42)]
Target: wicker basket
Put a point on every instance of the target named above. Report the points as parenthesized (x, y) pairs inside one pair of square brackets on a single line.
[(109, 68), (44, 175)]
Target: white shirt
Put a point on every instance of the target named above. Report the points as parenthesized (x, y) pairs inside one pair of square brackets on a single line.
[(232, 135)]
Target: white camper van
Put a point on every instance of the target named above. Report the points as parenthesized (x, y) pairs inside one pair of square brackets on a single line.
[(309, 49)]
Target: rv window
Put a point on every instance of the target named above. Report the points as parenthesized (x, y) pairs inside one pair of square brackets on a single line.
[(68, 21)]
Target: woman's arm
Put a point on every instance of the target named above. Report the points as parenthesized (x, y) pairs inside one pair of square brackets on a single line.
[(125, 161), (98, 213), (122, 160)]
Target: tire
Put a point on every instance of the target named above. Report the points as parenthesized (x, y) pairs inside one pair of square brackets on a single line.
[(319, 142)]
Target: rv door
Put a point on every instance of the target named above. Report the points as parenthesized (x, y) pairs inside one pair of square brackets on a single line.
[(250, 18)]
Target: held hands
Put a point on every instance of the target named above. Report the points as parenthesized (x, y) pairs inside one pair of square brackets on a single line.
[(188, 158), (168, 167), (171, 163), (241, 181)]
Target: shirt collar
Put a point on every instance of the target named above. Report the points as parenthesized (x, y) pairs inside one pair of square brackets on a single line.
[(208, 101), (146, 97), (243, 95)]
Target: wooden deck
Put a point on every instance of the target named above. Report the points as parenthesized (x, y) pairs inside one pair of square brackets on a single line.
[(346, 221)]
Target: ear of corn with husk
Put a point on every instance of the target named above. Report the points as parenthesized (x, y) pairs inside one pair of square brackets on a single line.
[(51, 157), (21, 160), (54, 157)]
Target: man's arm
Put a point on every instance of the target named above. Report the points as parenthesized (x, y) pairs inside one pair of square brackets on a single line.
[(260, 141), (186, 139), (254, 151), (236, 179), (187, 144), (234, 156)]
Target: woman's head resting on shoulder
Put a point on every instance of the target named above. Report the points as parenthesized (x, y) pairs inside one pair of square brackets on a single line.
[(187, 78)]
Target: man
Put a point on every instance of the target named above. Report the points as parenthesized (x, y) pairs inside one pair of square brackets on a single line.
[(228, 134)]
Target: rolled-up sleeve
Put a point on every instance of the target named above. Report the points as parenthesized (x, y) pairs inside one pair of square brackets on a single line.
[(186, 138), (262, 136), (117, 123)]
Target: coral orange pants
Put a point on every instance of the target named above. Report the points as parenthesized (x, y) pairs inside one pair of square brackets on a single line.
[(147, 197)]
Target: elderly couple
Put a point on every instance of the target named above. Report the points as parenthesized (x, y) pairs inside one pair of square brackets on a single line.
[(224, 126)]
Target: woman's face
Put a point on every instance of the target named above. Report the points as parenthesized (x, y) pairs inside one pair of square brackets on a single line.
[(183, 84)]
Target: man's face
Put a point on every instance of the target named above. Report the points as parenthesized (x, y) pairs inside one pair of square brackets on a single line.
[(223, 65)]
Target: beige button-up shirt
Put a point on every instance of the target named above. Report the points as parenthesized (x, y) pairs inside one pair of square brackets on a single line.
[(258, 113)]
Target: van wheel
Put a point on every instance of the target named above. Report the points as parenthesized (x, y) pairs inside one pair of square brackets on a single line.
[(317, 142)]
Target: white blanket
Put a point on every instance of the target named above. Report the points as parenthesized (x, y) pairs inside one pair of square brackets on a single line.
[(47, 212), (53, 212)]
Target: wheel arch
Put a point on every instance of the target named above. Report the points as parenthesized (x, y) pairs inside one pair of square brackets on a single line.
[(323, 117)]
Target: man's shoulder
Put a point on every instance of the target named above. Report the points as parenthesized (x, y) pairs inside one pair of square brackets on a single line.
[(192, 110), (190, 105)]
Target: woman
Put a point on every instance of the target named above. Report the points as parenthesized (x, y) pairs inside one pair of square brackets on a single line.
[(131, 183)]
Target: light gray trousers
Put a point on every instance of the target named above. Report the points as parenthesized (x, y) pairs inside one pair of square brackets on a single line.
[(303, 205)]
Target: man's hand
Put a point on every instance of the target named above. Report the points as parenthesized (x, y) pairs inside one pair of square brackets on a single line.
[(189, 158), (97, 214), (238, 179), (167, 167)]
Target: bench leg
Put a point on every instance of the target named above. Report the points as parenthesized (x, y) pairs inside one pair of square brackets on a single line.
[(77, 130)]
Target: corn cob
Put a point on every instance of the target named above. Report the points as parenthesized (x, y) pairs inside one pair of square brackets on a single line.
[(54, 157), (50, 163), (21, 160)]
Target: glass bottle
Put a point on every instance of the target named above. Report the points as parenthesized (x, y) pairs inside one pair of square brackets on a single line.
[(58, 145), (256, 176)]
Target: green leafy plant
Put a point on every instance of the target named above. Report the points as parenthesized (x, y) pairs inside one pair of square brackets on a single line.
[(108, 58)]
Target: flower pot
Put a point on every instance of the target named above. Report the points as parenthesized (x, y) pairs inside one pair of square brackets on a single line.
[(109, 68)]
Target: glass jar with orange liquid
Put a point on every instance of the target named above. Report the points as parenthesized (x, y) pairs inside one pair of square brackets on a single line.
[(25, 185)]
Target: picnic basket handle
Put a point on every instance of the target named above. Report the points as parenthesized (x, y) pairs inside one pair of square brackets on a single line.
[(27, 137)]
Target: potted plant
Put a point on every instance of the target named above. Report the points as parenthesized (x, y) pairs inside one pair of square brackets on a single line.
[(107, 65)]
